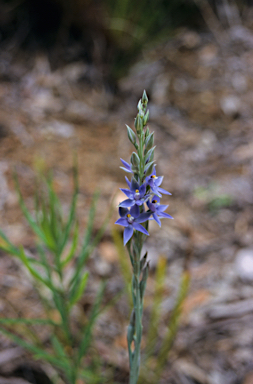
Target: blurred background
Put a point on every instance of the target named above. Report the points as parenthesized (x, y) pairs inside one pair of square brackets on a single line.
[(71, 74)]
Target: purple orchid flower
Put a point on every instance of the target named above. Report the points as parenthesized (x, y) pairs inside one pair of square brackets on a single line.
[(136, 194), (127, 167), (157, 209), (154, 182), (131, 220)]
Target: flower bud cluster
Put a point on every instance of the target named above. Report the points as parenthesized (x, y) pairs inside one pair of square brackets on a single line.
[(144, 193)]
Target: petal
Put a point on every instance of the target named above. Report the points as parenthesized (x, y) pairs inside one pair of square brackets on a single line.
[(163, 191), (126, 165), (143, 217), (135, 211), (157, 219), (122, 221), (161, 208), (126, 192), (139, 202), (165, 215), (134, 185), (142, 189), (127, 203), (128, 233), (155, 190), (140, 228), (128, 182), (126, 170), (159, 181), (123, 211), (145, 198)]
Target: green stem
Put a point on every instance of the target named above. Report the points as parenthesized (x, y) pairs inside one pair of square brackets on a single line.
[(138, 308)]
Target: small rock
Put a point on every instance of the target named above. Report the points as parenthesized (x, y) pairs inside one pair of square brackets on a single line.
[(191, 40), (208, 54), (102, 267), (108, 251), (59, 128), (239, 82), (230, 105), (180, 85), (244, 263)]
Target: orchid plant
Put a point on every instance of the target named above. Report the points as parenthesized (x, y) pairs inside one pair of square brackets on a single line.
[(142, 204)]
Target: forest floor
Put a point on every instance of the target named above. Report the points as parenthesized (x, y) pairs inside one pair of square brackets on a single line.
[(201, 110)]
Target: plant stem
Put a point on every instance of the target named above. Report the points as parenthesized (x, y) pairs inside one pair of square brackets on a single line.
[(138, 306)]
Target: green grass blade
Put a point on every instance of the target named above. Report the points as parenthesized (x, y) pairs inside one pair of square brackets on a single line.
[(125, 266), (73, 248), (10, 248), (76, 295), (33, 271), (155, 312), (36, 229), (27, 321), (174, 323), (72, 214), (37, 352), (85, 342)]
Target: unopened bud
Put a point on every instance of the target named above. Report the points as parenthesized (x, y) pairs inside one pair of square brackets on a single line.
[(146, 117), (149, 168), (144, 98), (135, 160), (149, 142), (138, 124), (131, 135)]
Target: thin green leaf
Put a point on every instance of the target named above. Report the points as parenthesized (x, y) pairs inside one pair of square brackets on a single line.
[(73, 247), (76, 295), (27, 321), (155, 311), (125, 266), (11, 248), (33, 271), (85, 342), (37, 352), (27, 214), (174, 322), (72, 213), (60, 353)]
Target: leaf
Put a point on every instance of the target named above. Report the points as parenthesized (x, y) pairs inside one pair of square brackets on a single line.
[(59, 350), (72, 213), (85, 342), (37, 352), (27, 321), (73, 248), (156, 307), (124, 262), (10, 248), (36, 229), (33, 271), (174, 322), (79, 290)]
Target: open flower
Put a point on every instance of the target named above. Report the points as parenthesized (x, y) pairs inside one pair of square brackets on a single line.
[(136, 194), (154, 182), (156, 210), (131, 220)]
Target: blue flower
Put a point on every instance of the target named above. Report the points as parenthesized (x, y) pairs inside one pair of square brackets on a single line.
[(154, 182), (136, 194), (156, 210), (127, 167), (131, 220)]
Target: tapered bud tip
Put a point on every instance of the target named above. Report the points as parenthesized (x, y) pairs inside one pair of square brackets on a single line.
[(144, 97)]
